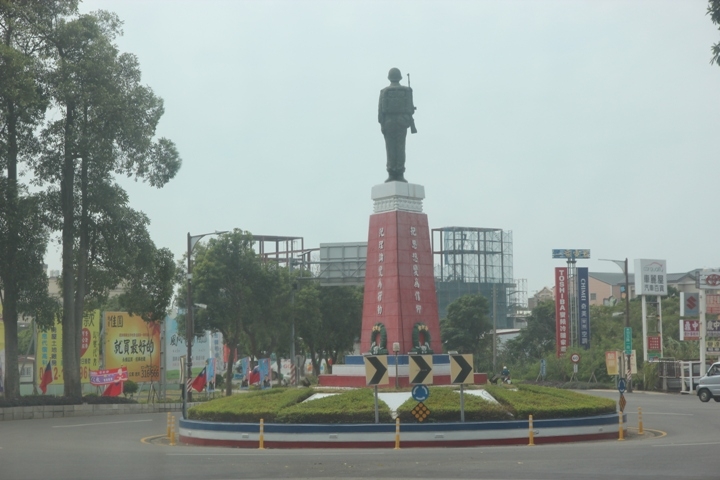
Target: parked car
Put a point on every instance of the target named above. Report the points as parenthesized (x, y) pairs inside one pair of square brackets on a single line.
[(708, 386)]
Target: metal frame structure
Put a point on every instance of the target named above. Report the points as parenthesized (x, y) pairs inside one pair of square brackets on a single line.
[(476, 260)]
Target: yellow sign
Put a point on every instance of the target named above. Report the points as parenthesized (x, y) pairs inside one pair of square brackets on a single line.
[(461, 369), (376, 371), (50, 349), (611, 362), (420, 412), (134, 343), (2, 352)]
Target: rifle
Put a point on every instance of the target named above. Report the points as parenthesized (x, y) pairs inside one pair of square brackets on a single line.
[(412, 120)]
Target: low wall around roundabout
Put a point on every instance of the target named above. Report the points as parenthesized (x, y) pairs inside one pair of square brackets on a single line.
[(516, 432)]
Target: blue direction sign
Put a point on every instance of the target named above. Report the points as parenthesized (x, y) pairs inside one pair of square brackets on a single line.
[(420, 393), (621, 385)]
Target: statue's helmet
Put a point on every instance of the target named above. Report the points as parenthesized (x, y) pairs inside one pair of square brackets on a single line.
[(394, 75)]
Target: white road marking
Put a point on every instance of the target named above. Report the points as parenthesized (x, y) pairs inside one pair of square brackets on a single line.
[(99, 423), (686, 444), (279, 451)]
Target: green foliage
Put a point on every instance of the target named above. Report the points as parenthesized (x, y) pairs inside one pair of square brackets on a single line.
[(130, 388), (466, 325), (355, 406), (444, 406), (328, 319), (249, 407), (713, 10), (546, 402)]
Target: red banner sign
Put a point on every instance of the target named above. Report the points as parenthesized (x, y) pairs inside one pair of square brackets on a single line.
[(562, 311), (654, 343), (106, 377)]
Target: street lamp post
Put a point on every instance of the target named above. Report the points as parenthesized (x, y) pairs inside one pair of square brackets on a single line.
[(189, 324), (623, 264)]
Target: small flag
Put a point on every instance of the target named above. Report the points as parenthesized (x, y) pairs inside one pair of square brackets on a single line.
[(113, 390), (199, 383), (47, 377)]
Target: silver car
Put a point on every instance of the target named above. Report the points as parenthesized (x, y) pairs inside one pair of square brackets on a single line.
[(709, 386)]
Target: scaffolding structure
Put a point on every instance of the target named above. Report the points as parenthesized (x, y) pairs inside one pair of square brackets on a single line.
[(283, 250), (469, 260)]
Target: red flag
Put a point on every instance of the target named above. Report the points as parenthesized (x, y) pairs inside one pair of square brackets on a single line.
[(113, 390), (47, 377), (199, 383)]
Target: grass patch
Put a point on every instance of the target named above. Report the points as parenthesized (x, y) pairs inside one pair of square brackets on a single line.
[(355, 406), (547, 402), (444, 406), (249, 407)]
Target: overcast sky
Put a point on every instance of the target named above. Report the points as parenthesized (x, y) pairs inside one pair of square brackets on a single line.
[(573, 124)]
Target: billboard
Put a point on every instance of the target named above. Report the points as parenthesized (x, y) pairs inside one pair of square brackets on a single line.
[(49, 349), (650, 277), (176, 347), (132, 342), (709, 279), (562, 318), (571, 254), (583, 289), (2, 353)]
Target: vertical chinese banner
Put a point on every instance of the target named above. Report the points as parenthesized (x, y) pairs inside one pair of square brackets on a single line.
[(49, 349), (561, 310), (583, 307), (134, 343), (89, 345)]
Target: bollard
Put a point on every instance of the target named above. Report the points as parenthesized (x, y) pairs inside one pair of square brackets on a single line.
[(640, 425), (622, 433), (169, 423), (397, 433), (172, 431), (262, 435), (531, 433)]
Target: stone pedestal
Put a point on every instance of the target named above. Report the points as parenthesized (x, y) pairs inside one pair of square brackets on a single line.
[(400, 303)]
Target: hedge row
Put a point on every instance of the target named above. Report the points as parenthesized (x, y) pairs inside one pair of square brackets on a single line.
[(545, 402), (41, 400), (280, 405)]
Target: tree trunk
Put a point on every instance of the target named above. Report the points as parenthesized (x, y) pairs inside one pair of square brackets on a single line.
[(71, 368), (10, 314), (82, 259), (229, 371)]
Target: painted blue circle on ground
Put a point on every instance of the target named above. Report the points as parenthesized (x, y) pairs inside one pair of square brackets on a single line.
[(420, 393)]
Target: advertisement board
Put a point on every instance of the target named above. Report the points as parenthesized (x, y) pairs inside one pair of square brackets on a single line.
[(49, 349), (650, 277), (132, 342), (176, 347), (2, 353), (562, 317), (583, 289)]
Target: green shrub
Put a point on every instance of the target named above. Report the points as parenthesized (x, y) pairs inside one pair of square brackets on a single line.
[(249, 407), (130, 388), (444, 406), (355, 406)]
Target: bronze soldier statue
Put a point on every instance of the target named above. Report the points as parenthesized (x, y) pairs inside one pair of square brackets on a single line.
[(395, 114)]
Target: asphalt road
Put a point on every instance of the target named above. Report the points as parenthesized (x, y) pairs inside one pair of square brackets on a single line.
[(681, 441)]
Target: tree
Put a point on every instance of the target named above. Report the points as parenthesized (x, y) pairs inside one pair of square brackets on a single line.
[(538, 339), (714, 11), (228, 277), (23, 239), (466, 326), (341, 310), (106, 126)]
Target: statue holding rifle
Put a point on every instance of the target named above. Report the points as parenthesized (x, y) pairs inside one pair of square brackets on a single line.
[(395, 114)]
